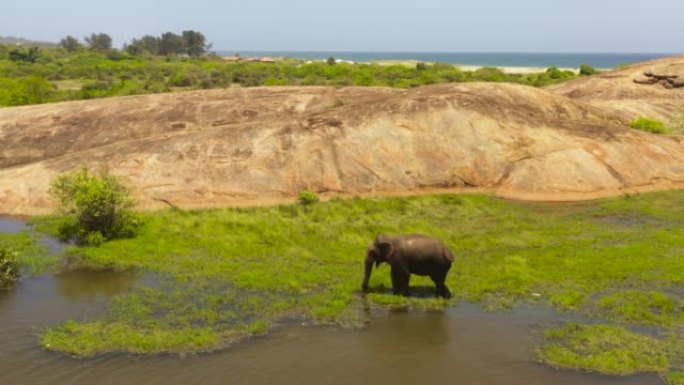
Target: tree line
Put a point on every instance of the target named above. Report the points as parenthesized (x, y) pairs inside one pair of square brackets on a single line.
[(190, 43)]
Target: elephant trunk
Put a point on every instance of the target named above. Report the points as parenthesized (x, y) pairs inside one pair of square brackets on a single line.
[(367, 273)]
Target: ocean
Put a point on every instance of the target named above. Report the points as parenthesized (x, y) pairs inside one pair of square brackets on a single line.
[(562, 60)]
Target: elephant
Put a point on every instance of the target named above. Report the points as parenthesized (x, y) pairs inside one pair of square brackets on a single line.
[(410, 254)]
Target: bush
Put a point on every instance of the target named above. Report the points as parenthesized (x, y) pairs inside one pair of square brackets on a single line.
[(649, 125), (308, 198), (9, 271), (98, 206), (586, 70)]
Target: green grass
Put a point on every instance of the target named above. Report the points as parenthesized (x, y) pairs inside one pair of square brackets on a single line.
[(32, 256), (234, 272), (605, 349)]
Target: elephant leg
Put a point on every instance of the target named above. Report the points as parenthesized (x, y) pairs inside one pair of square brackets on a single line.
[(438, 278), (400, 281)]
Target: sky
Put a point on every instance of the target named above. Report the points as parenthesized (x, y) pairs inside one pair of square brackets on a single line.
[(620, 26)]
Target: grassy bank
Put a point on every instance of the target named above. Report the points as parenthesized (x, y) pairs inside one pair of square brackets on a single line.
[(57, 75), (233, 272), (32, 256)]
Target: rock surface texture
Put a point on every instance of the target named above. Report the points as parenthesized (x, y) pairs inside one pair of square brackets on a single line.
[(653, 89), (249, 146)]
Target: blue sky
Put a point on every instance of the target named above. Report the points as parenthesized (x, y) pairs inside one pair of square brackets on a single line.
[(653, 26)]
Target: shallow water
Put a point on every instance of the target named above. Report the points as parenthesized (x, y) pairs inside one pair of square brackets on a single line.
[(12, 225), (462, 345)]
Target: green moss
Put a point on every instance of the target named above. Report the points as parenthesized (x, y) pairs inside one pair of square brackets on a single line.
[(603, 348), (649, 125)]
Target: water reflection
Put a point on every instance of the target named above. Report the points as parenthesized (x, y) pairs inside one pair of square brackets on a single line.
[(11, 225), (89, 284)]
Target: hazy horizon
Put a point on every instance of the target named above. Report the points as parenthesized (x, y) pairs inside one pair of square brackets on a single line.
[(499, 26)]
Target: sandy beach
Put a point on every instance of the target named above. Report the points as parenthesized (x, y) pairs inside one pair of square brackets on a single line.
[(505, 69)]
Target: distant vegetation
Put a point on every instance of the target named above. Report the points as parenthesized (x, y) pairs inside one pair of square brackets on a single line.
[(586, 70), (150, 64)]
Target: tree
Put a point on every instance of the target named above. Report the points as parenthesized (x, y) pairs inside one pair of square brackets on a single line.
[(70, 43), (147, 43), (195, 43), (29, 56), (99, 42), (171, 44), (331, 61)]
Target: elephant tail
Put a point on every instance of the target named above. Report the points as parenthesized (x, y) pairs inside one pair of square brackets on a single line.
[(448, 255)]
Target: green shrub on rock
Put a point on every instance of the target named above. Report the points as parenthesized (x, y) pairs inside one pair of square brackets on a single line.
[(649, 125)]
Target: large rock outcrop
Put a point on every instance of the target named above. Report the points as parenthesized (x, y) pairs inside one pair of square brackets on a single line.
[(261, 145), (629, 93)]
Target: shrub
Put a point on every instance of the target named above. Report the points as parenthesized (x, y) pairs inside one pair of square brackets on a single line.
[(9, 271), (649, 125), (586, 70), (558, 74), (331, 61), (308, 198), (98, 206)]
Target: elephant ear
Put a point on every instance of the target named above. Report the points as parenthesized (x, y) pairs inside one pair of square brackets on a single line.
[(386, 250)]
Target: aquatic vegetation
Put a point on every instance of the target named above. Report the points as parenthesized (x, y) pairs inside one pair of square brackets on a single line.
[(234, 272), (29, 256), (9, 271), (603, 348)]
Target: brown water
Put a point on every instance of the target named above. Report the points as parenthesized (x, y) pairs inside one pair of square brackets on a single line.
[(460, 346)]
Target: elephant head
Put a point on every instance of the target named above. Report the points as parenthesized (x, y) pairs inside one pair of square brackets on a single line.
[(380, 251)]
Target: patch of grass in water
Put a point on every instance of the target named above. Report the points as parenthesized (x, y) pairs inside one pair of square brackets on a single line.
[(32, 257), (92, 338), (603, 348), (308, 261)]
